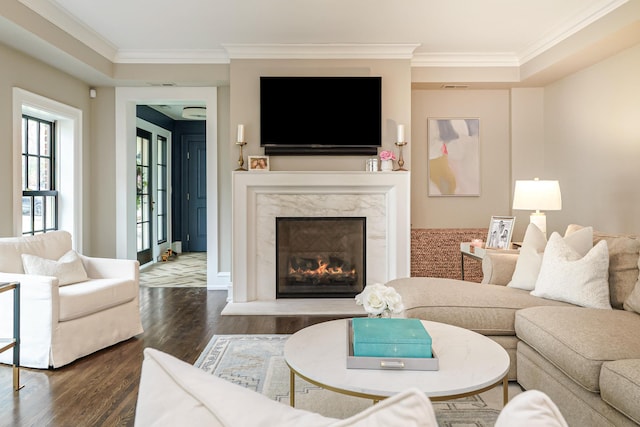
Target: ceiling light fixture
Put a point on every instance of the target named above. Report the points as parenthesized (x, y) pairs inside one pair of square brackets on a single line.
[(194, 113)]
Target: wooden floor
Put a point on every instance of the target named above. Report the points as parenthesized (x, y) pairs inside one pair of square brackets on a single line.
[(101, 389)]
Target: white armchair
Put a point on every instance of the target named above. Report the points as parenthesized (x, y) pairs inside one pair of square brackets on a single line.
[(63, 322)]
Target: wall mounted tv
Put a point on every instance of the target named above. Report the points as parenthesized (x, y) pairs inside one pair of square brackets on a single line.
[(321, 115)]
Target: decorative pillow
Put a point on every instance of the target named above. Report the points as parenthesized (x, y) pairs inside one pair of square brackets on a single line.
[(529, 259), (533, 246), (624, 251), (532, 408), (68, 269), (566, 275)]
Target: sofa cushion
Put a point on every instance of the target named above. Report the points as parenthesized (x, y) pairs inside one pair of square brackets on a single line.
[(486, 309), (51, 245), (579, 340), (620, 386), (175, 393), (92, 296), (566, 275), (68, 269)]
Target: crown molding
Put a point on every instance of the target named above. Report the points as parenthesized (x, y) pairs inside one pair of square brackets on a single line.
[(569, 28), (62, 19), (464, 59), (183, 56), (320, 51)]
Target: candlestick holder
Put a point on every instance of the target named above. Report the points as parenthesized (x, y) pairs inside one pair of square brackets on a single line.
[(241, 158), (400, 144)]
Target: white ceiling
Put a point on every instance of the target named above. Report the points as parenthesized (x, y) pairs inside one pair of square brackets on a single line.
[(135, 31)]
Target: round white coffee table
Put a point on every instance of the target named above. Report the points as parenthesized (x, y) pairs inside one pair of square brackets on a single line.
[(469, 363)]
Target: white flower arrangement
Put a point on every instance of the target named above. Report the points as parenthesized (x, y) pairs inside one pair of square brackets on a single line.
[(379, 300)]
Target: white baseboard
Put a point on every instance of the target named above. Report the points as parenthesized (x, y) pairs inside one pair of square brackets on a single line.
[(220, 282)]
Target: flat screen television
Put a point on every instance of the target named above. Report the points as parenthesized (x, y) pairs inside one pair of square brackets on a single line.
[(321, 115)]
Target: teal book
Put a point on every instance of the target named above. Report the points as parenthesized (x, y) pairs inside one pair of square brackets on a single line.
[(390, 337)]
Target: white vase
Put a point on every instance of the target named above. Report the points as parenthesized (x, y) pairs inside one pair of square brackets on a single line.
[(386, 165)]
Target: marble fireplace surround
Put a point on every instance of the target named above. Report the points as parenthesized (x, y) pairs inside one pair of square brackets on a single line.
[(259, 197)]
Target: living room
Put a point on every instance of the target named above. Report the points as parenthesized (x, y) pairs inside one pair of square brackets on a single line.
[(565, 114)]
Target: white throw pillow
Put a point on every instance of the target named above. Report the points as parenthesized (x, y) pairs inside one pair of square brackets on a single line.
[(566, 275), (529, 259), (532, 408), (533, 246), (68, 269)]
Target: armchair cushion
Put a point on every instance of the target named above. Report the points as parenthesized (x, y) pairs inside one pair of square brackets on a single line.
[(93, 296), (52, 245), (68, 269)]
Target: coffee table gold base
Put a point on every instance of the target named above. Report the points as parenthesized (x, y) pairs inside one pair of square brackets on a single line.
[(377, 398)]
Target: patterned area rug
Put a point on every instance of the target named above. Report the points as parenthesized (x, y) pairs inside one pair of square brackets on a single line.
[(257, 362), (187, 270)]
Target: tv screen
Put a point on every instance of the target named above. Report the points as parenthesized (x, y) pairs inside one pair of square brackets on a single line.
[(320, 115)]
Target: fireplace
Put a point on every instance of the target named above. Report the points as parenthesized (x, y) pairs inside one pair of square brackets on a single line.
[(320, 257)]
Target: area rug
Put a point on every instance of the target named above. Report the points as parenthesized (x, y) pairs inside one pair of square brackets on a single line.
[(186, 270), (256, 362)]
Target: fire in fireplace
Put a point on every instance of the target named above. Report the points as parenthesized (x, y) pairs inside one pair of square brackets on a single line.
[(320, 257)]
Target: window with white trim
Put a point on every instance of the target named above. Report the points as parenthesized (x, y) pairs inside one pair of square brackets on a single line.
[(39, 194)]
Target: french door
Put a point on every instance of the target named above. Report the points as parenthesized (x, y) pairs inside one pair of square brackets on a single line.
[(144, 202), (153, 213)]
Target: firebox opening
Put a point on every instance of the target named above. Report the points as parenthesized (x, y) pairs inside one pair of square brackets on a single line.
[(320, 257)]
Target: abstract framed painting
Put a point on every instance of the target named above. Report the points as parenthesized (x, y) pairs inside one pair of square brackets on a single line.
[(453, 149)]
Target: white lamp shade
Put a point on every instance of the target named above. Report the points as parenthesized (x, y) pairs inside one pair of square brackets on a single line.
[(537, 195)]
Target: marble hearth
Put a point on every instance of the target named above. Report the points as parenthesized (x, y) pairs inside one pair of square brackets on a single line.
[(259, 197)]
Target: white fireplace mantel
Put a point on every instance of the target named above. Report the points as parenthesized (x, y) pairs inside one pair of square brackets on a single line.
[(259, 197)]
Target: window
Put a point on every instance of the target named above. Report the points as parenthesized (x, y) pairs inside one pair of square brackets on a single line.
[(39, 195)]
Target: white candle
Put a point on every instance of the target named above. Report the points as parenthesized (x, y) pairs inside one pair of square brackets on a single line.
[(241, 133), (400, 133)]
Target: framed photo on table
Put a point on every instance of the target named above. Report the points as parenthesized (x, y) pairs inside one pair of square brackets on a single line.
[(500, 230), (259, 163)]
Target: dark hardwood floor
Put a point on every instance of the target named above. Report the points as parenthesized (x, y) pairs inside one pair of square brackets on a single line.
[(101, 389)]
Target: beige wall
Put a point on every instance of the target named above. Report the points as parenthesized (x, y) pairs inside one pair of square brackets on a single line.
[(592, 144), (19, 70), (102, 180), (224, 180), (527, 145), (492, 108)]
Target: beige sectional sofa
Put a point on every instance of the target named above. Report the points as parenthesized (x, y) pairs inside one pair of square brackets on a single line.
[(586, 359)]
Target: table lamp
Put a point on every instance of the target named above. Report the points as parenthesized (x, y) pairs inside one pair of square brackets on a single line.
[(537, 195)]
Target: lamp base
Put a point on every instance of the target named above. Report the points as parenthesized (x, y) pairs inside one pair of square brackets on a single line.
[(540, 221)]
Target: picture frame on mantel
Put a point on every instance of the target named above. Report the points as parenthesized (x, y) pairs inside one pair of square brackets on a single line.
[(259, 163), (453, 147), (500, 231)]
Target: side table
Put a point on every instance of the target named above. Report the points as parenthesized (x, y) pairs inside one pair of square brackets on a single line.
[(14, 342), (478, 252)]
